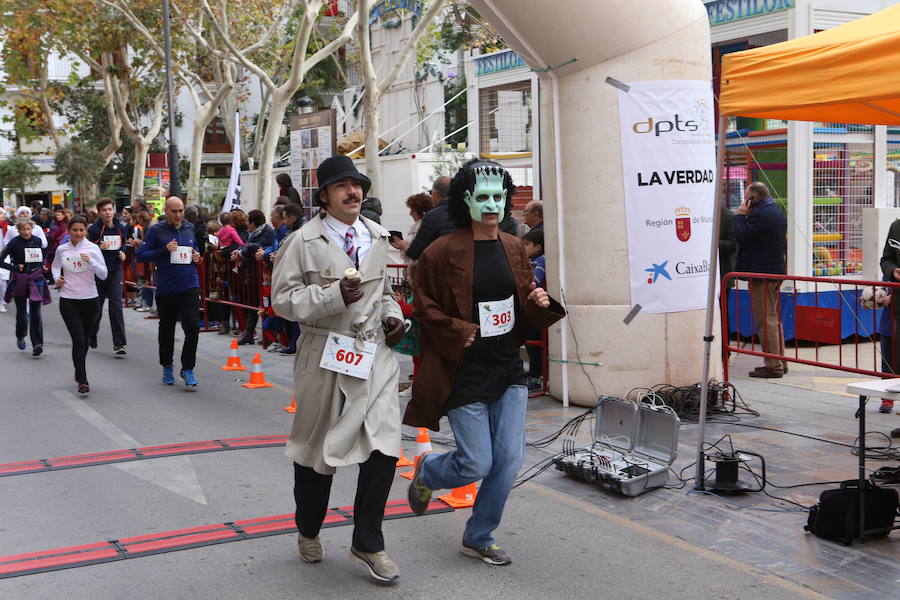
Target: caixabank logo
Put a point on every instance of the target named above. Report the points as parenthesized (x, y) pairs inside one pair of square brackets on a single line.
[(682, 269)]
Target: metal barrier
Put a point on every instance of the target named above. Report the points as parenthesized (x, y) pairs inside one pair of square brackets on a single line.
[(247, 285), (816, 321)]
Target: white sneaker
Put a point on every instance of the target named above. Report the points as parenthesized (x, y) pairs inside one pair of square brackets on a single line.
[(2, 307)]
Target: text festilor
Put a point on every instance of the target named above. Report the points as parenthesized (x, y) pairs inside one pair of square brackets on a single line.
[(679, 177)]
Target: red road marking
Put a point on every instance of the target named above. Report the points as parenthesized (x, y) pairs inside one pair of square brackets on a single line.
[(181, 539), (115, 456)]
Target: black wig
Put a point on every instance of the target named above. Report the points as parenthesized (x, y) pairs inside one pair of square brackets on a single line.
[(464, 181)]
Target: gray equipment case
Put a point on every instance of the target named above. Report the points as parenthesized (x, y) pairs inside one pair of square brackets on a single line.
[(634, 445)]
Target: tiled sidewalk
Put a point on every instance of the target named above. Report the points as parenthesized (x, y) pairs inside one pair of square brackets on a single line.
[(774, 541)]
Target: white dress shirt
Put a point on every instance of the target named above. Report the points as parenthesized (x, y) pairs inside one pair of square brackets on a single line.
[(362, 238)]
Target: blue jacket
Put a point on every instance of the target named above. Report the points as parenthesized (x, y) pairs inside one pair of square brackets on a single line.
[(95, 234), (170, 279), (761, 238)]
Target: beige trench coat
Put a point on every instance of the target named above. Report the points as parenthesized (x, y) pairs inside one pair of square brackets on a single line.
[(340, 420)]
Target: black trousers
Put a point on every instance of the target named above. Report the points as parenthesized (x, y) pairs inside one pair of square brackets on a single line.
[(79, 317), (171, 308), (111, 288), (28, 318), (311, 492)]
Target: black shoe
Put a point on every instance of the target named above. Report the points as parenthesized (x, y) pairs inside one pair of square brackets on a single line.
[(287, 351), (119, 351), (36, 351), (895, 433), (93, 343), (246, 340), (83, 389)]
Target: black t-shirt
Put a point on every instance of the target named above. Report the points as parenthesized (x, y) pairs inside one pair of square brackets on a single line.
[(490, 364)]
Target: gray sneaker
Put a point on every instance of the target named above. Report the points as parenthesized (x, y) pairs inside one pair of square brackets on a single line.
[(418, 495), (381, 568), (492, 555), (310, 549)]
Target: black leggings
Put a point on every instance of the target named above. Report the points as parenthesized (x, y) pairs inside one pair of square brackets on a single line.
[(79, 316), (312, 489)]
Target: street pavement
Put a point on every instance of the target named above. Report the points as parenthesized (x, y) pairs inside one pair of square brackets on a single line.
[(566, 538)]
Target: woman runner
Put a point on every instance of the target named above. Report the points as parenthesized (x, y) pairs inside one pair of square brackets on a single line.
[(75, 265), (26, 284)]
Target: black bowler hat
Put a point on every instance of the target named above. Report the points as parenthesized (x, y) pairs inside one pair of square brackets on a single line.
[(337, 168)]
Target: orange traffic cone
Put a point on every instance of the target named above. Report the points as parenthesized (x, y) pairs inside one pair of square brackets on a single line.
[(234, 361), (403, 461), (257, 377), (423, 444), (293, 407), (461, 497)]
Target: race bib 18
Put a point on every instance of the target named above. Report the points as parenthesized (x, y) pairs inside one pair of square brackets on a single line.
[(341, 356), (182, 255), (496, 317)]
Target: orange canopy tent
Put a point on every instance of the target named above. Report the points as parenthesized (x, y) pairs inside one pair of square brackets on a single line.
[(843, 75)]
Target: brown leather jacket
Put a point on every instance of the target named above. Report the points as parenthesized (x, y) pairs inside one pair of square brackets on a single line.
[(442, 283)]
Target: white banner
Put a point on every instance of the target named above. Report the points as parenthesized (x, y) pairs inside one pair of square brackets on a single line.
[(233, 195), (669, 166)]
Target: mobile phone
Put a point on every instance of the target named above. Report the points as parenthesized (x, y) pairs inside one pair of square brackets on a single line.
[(396, 234)]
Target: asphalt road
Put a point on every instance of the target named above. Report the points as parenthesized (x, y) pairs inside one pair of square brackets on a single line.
[(562, 545)]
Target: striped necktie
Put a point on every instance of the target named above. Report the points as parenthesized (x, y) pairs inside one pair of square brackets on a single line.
[(350, 248)]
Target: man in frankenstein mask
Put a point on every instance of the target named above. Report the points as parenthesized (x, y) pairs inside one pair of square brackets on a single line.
[(476, 301)]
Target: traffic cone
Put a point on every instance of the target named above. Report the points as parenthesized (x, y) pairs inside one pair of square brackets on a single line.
[(423, 444), (257, 377), (461, 497), (293, 407), (403, 461), (234, 361)]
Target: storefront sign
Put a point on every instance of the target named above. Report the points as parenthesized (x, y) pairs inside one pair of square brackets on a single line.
[(391, 6), (726, 11), (496, 63), (669, 164)]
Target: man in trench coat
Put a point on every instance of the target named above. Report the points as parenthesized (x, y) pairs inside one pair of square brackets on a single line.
[(342, 419)]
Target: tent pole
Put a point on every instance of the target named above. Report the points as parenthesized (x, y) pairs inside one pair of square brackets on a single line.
[(710, 303)]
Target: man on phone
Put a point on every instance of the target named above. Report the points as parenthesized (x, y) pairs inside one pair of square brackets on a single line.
[(760, 228)]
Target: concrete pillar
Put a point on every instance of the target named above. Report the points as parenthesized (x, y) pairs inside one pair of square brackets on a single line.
[(650, 40)]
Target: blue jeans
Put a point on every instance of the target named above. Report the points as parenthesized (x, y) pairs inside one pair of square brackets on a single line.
[(490, 445)]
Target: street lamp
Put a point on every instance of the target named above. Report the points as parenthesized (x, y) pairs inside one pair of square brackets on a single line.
[(174, 179), (305, 104)]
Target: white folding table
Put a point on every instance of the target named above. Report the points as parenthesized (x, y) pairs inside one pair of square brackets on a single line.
[(869, 388)]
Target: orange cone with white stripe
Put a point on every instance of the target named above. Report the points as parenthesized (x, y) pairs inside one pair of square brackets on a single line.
[(461, 497), (423, 445), (257, 377), (234, 361), (293, 407)]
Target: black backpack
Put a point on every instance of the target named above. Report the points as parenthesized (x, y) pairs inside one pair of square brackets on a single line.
[(836, 516)]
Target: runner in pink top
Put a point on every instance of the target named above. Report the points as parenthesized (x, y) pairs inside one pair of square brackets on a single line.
[(75, 265)]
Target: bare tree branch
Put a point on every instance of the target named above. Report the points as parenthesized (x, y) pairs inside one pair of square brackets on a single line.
[(251, 66)]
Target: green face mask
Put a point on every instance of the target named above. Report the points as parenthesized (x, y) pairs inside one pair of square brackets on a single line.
[(489, 196)]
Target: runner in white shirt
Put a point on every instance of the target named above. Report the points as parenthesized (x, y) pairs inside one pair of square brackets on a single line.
[(75, 265)]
